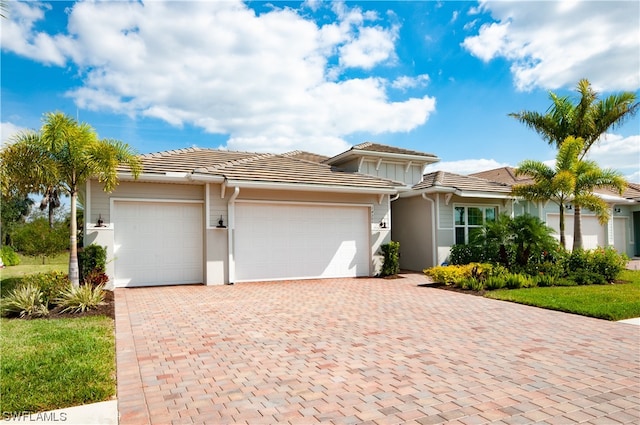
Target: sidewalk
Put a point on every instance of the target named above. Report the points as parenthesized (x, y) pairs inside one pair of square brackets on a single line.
[(104, 413)]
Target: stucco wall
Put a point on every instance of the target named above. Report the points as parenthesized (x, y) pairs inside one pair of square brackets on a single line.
[(412, 228)]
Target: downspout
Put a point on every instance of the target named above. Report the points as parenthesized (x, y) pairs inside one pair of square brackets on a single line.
[(231, 221), (434, 246)]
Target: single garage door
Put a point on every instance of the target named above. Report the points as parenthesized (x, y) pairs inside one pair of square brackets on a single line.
[(592, 231), (158, 243), (300, 241)]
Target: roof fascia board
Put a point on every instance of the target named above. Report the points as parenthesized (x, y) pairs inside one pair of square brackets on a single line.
[(388, 155), (309, 187)]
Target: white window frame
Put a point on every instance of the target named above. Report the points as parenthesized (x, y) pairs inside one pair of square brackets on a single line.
[(466, 224)]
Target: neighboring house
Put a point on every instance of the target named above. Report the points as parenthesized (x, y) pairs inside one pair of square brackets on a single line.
[(217, 217), (440, 211), (622, 231)]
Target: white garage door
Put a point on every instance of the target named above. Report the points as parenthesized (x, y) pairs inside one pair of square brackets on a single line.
[(294, 241), (592, 231), (620, 234), (158, 243)]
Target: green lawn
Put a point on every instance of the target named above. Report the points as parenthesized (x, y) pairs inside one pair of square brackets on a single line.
[(610, 302), (53, 363)]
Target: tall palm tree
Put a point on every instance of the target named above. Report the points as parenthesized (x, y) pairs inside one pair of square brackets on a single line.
[(590, 176), (587, 119), (65, 154), (555, 184)]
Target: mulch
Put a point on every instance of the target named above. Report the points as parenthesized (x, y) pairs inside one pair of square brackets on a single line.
[(106, 309)]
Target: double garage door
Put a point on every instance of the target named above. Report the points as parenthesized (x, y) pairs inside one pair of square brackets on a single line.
[(161, 243), (299, 241)]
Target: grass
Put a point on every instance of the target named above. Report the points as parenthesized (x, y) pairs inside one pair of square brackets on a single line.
[(10, 276), (52, 364), (610, 302)]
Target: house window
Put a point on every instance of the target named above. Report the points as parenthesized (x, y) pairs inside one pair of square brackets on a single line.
[(470, 219)]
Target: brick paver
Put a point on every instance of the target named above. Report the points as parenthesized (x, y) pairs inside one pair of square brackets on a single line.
[(374, 351)]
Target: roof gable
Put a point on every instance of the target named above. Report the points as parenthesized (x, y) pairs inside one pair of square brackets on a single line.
[(376, 150), (443, 179)]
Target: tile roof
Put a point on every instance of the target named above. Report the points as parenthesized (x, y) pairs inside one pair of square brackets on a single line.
[(254, 167), (185, 160), (460, 182), (376, 147), (508, 176), (503, 175), (307, 156)]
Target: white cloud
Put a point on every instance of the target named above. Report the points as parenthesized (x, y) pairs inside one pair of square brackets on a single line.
[(555, 44), (404, 82), (271, 81), (466, 166), (7, 131), (619, 153)]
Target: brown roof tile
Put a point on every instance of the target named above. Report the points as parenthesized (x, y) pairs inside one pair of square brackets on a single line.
[(376, 147), (306, 156), (503, 175), (244, 166), (460, 182)]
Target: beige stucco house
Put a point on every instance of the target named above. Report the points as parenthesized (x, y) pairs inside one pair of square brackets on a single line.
[(215, 217), (218, 217)]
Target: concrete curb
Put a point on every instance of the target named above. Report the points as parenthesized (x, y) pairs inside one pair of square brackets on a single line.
[(103, 413)]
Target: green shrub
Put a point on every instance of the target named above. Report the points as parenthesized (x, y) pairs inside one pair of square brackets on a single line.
[(24, 301), (80, 299), (494, 282), (9, 256), (471, 283), (517, 281), (449, 275), (545, 280), (578, 260), (464, 254), (607, 263), (50, 284), (92, 259), (585, 277), (391, 264), (554, 269)]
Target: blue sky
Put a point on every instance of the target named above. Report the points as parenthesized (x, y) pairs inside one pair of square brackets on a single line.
[(438, 77)]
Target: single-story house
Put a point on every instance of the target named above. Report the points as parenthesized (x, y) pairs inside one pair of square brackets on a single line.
[(439, 212), (217, 217)]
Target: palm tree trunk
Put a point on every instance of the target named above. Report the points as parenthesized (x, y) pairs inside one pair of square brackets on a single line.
[(74, 270), (51, 210), (577, 228), (563, 239)]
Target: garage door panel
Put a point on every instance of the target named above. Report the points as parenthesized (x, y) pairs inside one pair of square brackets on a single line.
[(297, 241), (158, 243), (592, 231)]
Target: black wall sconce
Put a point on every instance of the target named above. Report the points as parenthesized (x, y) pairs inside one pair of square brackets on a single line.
[(617, 210), (100, 222), (221, 224), (383, 224), (568, 207)]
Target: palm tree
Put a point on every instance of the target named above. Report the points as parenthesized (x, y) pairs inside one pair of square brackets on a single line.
[(587, 119), (50, 199), (555, 184), (590, 176), (65, 154)]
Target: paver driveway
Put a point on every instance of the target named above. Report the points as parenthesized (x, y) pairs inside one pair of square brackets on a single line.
[(365, 351)]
